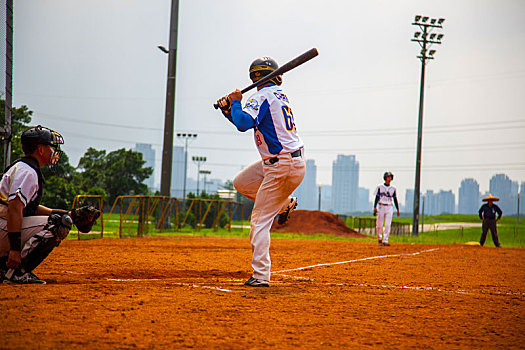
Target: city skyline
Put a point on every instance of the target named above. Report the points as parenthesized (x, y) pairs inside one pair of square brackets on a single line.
[(355, 198)]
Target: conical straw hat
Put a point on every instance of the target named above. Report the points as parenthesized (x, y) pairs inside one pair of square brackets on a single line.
[(490, 198)]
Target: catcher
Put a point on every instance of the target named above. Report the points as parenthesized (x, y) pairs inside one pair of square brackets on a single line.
[(30, 231)]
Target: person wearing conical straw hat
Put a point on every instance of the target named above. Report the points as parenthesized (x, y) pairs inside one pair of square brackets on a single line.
[(487, 213)]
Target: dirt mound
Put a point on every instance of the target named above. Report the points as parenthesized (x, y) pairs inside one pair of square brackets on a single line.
[(314, 221)]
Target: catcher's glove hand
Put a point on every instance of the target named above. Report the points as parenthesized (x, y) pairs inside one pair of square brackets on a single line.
[(85, 217), (224, 103)]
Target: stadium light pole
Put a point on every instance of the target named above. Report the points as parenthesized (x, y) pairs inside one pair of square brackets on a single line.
[(205, 173), (425, 38), (169, 120), (198, 161), (186, 137)]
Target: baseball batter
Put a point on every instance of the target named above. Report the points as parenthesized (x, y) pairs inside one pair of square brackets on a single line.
[(270, 181), (386, 198)]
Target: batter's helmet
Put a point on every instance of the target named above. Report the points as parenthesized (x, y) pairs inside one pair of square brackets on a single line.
[(40, 135), (388, 173), (262, 67)]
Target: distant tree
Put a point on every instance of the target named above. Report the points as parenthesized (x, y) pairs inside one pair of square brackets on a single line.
[(61, 184), (20, 118), (228, 185), (120, 172), (91, 169)]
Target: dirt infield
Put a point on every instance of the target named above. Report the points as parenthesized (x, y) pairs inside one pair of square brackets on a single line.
[(185, 292)]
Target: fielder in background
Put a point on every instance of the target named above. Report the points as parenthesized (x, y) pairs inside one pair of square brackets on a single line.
[(487, 213), (386, 198), (270, 181), (30, 231)]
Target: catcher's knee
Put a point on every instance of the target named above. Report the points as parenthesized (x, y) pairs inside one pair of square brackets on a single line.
[(59, 225)]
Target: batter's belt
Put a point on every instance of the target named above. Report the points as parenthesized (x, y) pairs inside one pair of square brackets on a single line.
[(294, 154)]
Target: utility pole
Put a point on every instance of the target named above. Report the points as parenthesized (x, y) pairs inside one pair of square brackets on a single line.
[(186, 137), (425, 39), (169, 120), (319, 199), (518, 209), (198, 161), (6, 130)]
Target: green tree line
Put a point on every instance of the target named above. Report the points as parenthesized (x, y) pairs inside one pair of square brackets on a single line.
[(112, 174)]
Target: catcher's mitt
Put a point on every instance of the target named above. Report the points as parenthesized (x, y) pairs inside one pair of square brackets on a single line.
[(85, 217)]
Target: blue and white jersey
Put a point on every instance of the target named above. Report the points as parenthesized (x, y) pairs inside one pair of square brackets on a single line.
[(274, 124), (386, 194)]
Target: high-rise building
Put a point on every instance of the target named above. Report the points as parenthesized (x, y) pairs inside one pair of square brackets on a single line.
[(148, 154), (177, 172), (506, 190), (363, 200), (307, 192), (468, 200), (345, 180), (442, 202), (446, 202), (326, 198), (409, 201)]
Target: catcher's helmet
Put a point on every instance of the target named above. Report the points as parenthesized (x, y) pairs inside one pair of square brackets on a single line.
[(388, 173), (40, 135), (263, 66)]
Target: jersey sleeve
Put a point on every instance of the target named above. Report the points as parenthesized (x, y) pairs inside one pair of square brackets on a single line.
[(23, 184), (242, 120), (376, 192)]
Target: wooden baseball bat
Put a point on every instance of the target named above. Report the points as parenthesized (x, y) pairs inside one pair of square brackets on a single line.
[(305, 57)]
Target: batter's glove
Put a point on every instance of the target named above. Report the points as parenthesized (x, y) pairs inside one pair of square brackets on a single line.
[(85, 217), (224, 104)]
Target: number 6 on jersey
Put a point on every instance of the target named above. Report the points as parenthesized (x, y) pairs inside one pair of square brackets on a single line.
[(288, 118)]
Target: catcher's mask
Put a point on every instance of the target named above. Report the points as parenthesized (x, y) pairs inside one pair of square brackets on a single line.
[(40, 135), (388, 173), (263, 66)]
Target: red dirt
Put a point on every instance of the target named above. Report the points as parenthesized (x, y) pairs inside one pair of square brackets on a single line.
[(314, 221), (187, 292)]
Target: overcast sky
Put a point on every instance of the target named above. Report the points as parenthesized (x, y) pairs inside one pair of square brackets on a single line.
[(92, 70)]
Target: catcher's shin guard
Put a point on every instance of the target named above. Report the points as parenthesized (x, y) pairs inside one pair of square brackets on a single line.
[(35, 251)]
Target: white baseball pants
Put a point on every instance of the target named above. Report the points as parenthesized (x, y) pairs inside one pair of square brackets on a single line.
[(270, 186), (31, 226), (384, 214)]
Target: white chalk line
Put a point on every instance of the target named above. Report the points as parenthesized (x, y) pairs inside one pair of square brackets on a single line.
[(356, 260), (420, 288), (177, 283)]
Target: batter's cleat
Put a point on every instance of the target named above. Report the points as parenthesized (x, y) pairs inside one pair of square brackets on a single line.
[(386, 244), (380, 242), (26, 278), (285, 214), (254, 282)]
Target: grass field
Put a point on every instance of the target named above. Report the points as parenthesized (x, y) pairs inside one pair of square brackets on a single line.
[(510, 234)]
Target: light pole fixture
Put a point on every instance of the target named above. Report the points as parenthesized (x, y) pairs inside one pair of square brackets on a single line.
[(205, 173), (186, 137), (198, 160), (425, 38)]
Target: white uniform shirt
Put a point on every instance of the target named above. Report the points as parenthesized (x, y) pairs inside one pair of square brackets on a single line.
[(275, 130), (20, 180), (386, 194)]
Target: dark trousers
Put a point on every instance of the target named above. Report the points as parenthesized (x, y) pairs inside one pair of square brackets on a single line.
[(489, 224)]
